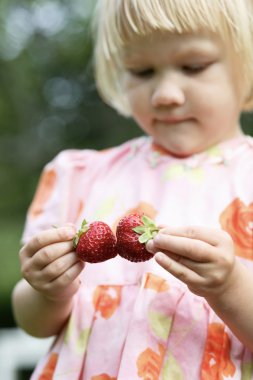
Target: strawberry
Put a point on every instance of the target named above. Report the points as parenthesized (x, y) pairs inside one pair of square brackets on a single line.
[(133, 231), (95, 243)]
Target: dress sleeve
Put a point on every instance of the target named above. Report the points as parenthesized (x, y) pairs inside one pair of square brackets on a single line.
[(56, 200)]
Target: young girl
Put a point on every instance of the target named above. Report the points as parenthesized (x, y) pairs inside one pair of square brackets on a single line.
[(183, 71)]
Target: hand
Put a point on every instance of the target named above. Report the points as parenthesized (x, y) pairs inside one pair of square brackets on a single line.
[(50, 265), (203, 258)]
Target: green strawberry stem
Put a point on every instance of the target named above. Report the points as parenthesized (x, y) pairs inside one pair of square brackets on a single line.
[(84, 228), (147, 230)]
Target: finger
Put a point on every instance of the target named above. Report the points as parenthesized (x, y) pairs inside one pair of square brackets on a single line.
[(66, 285), (208, 235), (69, 276), (50, 253), (47, 237), (178, 270), (32, 267), (195, 250), (150, 246), (195, 266), (58, 267)]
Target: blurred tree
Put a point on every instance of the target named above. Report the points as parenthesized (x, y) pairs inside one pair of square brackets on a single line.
[(48, 102)]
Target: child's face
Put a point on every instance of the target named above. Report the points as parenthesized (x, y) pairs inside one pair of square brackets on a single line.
[(184, 90)]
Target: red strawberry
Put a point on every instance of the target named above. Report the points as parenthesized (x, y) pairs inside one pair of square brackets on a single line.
[(133, 231), (95, 243)]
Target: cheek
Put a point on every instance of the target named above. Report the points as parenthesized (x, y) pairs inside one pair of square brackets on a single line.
[(215, 98), (139, 103)]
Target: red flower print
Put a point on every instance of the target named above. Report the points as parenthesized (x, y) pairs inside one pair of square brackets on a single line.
[(103, 376), (106, 299), (48, 370), (237, 220), (216, 361), (156, 283), (149, 363), (43, 192)]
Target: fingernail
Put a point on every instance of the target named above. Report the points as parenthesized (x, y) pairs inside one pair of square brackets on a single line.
[(70, 232), (156, 239), (150, 246), (159, 256), (70, 225)]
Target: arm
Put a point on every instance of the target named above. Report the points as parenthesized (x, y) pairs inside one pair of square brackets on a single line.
[(37, 314), (235, 305), (203, 258), (42, 301)]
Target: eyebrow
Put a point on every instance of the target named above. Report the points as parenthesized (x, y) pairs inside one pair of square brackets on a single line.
[(136, 58), (197, 50), (139, 60)]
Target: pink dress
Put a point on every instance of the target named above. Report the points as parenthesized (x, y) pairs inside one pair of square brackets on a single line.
[(136, 321)]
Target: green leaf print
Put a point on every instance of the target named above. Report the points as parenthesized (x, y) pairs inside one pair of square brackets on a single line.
[(105, 208), (197, 175), (160, 324), (172, 370), (247, 371), (82, 341), (214, 151), (174, 171), (180, 171), (69, 330)]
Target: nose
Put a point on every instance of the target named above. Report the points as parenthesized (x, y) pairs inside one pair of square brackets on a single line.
[(167, 91)]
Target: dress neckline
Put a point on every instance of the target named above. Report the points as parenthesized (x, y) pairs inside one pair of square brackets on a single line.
[(218, 154)]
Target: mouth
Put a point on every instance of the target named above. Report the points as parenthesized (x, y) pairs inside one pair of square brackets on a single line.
[(171, 120)]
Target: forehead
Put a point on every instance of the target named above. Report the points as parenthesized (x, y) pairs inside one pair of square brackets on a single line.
[(159, 44)]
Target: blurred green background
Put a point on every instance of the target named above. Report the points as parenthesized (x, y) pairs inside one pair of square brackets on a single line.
[(48, 102)]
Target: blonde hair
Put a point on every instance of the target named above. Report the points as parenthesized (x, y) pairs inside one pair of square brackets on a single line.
[(118, 22)]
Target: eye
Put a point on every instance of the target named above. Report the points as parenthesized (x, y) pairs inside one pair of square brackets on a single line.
[(195, 68), (145, 73)]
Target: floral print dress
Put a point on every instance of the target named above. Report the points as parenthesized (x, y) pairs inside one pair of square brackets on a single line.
[(136, 321)]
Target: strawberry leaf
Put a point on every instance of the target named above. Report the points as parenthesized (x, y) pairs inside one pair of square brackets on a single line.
[(140, 229), (144, 237), (154, 233), (148, 222), (84, 226), (83, 229), (145, 219), (75, 240), (147, 230)]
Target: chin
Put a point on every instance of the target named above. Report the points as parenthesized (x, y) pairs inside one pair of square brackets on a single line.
[(177, 151), (182, 154)]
